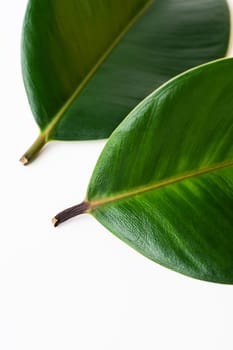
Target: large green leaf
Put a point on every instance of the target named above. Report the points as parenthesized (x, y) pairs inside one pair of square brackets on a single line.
[(164, 182), (87, 63)]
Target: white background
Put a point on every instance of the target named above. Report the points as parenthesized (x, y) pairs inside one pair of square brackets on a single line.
[(79, 287)]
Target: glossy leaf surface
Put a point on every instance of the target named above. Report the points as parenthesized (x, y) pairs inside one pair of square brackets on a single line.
[(164, 182), (87, 63)]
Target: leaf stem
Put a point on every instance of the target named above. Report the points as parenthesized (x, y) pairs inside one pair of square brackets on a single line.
[(70, 213), (33, 151)]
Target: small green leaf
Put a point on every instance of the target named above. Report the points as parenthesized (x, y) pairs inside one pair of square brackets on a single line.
[(164, 181), (87, 63)]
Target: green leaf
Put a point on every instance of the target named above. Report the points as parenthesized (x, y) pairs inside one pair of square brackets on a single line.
[(164, 182), (87, 63)]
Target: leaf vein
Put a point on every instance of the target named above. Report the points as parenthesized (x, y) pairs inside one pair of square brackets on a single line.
[(163, 183)]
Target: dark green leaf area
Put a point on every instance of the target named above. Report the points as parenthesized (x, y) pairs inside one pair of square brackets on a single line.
[(186, 125), (187, 227), (164, 181), (81, 84)]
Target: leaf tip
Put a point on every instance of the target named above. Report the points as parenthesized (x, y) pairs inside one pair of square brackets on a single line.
[(24, 160), (55, 222)]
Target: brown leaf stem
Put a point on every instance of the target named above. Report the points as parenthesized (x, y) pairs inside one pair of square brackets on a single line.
[(70, 213)]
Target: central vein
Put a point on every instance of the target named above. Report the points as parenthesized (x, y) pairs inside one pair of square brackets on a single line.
[(162, 183), (69, 102)]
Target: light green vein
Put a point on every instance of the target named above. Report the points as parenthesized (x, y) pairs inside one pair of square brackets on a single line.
[(69, 102), (166, 182)]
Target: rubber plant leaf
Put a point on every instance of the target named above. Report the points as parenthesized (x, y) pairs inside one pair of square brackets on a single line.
[(164, 182), (87, 63)]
